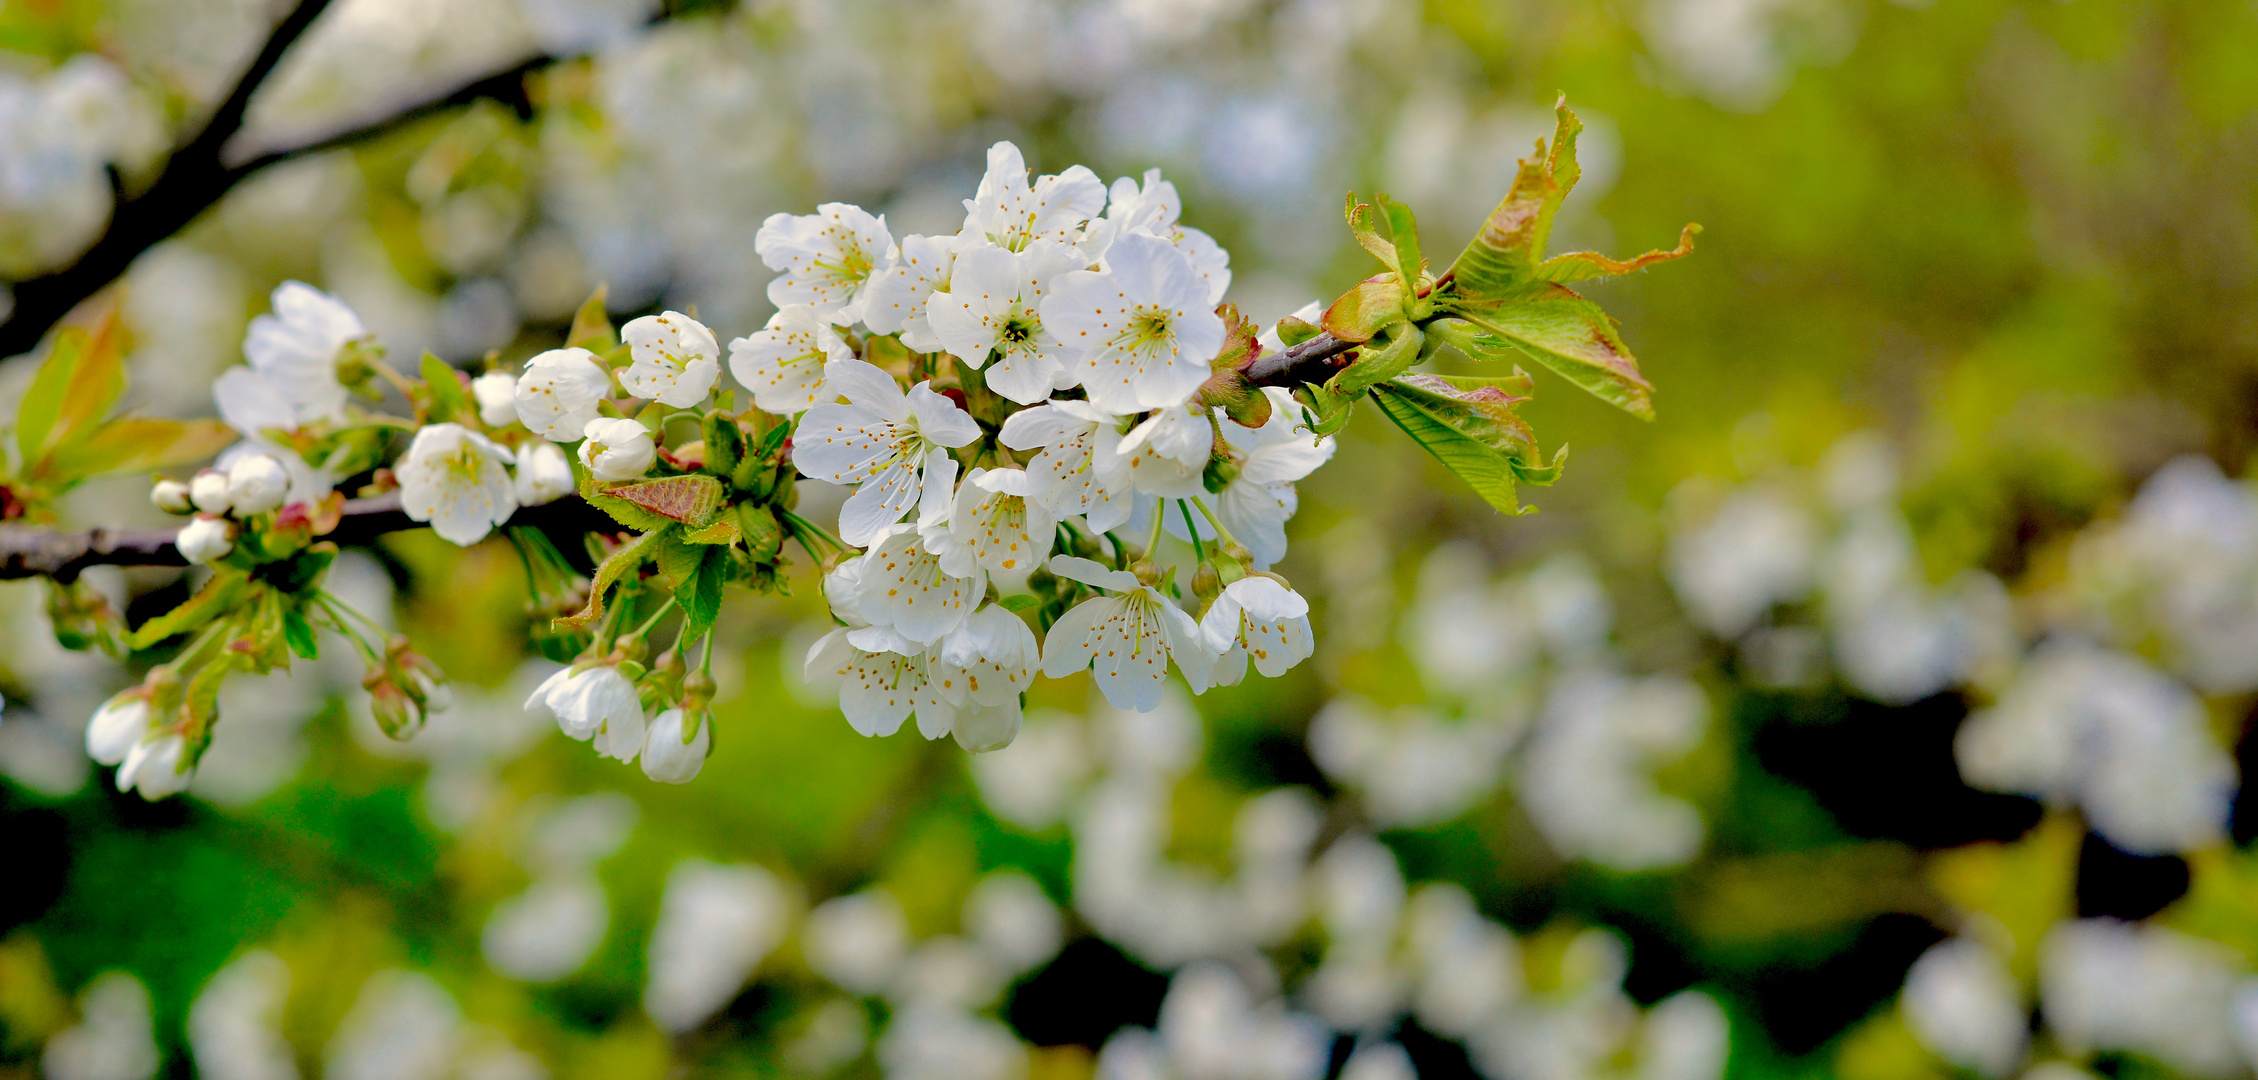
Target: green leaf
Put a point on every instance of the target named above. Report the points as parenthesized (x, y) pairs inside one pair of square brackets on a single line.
[(43, 401), (690, 500), (1018, 603), (216, 598), (135, 443), (1503, 257), (1469, 425), (1364, 225), (1375, 304), (677, 558), (1293, 331), (1570, 335), (591, 325), (700, 593), (725, 444), (635, 554), (1585, 265), (1375, 366), (299, 634), (1403, 233), (449, 400), (1329, 412), (723, 531)]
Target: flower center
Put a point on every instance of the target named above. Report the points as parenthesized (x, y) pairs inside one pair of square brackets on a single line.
[(1150, 329)]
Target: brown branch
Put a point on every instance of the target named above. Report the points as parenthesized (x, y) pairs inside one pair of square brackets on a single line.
[(198, 174), (1311, 362), (27, 552)]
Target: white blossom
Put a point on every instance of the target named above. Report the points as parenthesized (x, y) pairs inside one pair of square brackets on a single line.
[(897, 298), (206, 539), (673, 359), (782, 363), (1962, 1003), (458, 480), (1259, 497), (496, 394), (256, 483), (893, 444), (157, 766), (1080, 469), (1142, 327), (294, 351), (998, 525), (993, 307), (667, 758), (905, 587), (543, 474), (588, 700), (1126, 636), (1167, 452), (997, 655), (1011, 213), (827, 258), (559, 392), (1260, 618), (617, 449), (1152, 208), (716, 924)]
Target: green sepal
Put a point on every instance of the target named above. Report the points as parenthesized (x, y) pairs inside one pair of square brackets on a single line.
[(448, 401), (1469, 425), (1374, 366), (1565, 332), (217, 597), (611, 569), (299, 634)]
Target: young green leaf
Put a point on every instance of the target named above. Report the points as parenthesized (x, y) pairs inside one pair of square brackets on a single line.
[(1403, 236), (1503, 257), (450, 401), (1568, 334), (700, 593), (1586, 265), (690, 500), (591, 325), (1375, 304), (1469, 425), (620, 562), (133, 444), (216, 598), (1374, 366), (299, 634)]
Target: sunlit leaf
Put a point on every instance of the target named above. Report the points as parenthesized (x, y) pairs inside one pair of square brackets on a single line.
[(1567, 333), (1469, 425)]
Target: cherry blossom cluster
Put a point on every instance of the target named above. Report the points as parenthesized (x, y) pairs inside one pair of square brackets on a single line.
[(1021, 412), (1078, 326)]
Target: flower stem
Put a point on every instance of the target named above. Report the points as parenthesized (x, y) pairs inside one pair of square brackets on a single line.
[(1152, 543), (1192, 528), (1221, 533)]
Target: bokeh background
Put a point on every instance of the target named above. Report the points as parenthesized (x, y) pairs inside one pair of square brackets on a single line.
[(1879, 711)]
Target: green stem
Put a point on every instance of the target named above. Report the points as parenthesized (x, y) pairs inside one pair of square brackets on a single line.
[(654, 621), (1192, 528), (1221, 533), (1152, 543)]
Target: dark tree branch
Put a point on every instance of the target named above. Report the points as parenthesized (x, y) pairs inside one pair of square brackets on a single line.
[(1311, 362), (198, 174), (27, 552)]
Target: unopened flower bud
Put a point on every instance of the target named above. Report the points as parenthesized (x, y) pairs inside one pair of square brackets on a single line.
[(158, 766), (405, 689), (496, 392), (1206, 583), (617, 449), (206, 539), (209, 492), (256, 484), (543, 474), (171, 496), (673, 752), (118, 725)]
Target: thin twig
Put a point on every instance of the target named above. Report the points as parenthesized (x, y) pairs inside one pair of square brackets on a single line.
[(1312, 361), (27, 552)]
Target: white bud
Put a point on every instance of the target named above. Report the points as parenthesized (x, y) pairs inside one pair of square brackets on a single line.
[(256, 484), (543, 474), (209, 491), (117, 726), (205, 539), (158, 767), (171, 496), (669, 760), (617, 449), (496, 392)]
